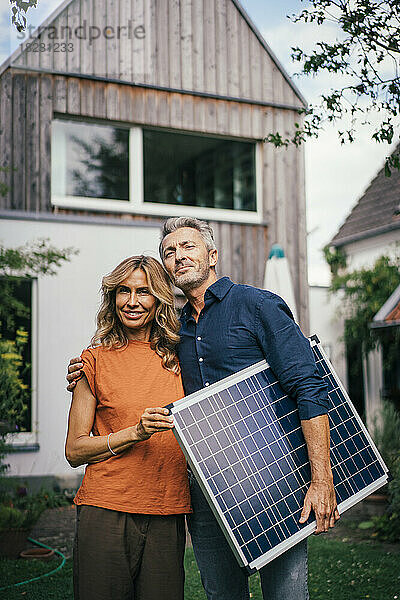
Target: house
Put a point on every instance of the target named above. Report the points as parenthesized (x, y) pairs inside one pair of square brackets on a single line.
[(115, 115), (372, 229)]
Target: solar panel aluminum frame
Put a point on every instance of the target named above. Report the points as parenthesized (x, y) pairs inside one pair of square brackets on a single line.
[(309, 528)]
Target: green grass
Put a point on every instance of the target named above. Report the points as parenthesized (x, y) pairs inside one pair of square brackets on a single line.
[(57, 587), (342, 571), (338, 571)]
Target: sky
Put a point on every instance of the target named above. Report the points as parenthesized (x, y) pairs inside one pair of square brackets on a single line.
[(336, 175)]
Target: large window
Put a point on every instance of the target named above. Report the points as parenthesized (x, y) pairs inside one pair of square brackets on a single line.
[(191, 170), (17, 331), (153, 171), (90, 161)]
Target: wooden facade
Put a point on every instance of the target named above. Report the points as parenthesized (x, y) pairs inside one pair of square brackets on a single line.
[(202, 68)]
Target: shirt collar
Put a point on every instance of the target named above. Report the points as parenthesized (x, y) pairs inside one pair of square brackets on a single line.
[(219, 289)]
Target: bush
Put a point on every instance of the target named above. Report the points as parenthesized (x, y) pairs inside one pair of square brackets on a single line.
[(387, 527), (386, 434), (387, 439), (11, 518), (21, 510)]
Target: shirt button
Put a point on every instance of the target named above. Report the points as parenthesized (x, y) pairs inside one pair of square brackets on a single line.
[(200, 360), (199, 337), (206, 384)]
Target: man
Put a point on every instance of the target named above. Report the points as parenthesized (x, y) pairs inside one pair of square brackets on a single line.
[(224, 328)]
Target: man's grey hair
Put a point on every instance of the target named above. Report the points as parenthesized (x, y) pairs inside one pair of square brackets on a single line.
[(202, 227)]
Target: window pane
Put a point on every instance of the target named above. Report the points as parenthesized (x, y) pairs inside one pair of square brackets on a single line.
[(192, 170), (90, 160), (16, 322)]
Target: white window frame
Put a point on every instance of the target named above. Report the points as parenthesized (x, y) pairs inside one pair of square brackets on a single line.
[(137, 205), (28, 438)]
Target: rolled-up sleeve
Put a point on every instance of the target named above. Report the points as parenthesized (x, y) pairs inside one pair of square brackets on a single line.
[(289, 354)]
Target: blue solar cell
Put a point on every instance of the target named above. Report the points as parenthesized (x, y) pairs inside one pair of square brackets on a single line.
[(228, 517), (260, 419), (238, 492), (251, 424), (252, 404), (248, 487), (187, 417), (263, 542), (195, 452), (255, 526), (241, 429), (245, 532), (207, 407), (222, 439), (237, 515), (246, 509), (243, 409), (292, 525), (232, 436), (204, 449), (205, 429), (197, 412), (250, 445), (285, 465), (195, 433), (244, 389), (213, 444), (220, 482), (229, 499), (247, 554), (230, 477), (212, 465), (272, 537)]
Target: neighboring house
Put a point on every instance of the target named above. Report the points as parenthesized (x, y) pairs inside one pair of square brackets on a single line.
[(371, 230), (117, 115)]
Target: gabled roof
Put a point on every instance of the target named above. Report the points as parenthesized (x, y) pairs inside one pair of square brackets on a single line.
[(18, 52), (389, 314), (21, 58), (376, 212)]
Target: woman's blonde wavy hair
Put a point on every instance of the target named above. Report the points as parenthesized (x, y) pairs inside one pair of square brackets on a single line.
[(164, 332)]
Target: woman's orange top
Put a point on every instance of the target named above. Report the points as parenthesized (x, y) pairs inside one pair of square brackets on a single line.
[(150, 477)]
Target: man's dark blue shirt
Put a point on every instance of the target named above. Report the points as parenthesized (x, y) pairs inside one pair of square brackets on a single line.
[(239, 326)]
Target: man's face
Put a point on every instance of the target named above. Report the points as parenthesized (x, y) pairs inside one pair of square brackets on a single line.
[(186, 258)]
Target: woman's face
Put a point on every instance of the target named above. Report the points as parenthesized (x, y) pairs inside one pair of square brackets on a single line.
[(135, 306)]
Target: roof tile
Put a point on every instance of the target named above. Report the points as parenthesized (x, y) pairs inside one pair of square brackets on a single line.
[(378, 206)]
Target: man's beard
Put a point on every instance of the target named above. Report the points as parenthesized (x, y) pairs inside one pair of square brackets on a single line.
[(192, 279)]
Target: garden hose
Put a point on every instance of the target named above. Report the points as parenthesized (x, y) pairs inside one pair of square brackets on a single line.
[(60, 566)]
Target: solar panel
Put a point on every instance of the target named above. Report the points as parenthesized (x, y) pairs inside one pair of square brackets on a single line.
[(242, 438)]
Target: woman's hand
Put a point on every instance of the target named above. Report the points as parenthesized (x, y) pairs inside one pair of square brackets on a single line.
[(153, 420), (74, 372), (83, 448)]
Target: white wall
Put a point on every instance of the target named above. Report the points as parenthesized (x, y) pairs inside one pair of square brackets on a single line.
[(66, 308), (365, 252), (328, 326)]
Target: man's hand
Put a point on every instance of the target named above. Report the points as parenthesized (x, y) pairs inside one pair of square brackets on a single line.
[(321, 498), (74, 372), (153, 420)]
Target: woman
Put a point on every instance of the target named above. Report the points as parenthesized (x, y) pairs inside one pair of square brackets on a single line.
[(130, 526)]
